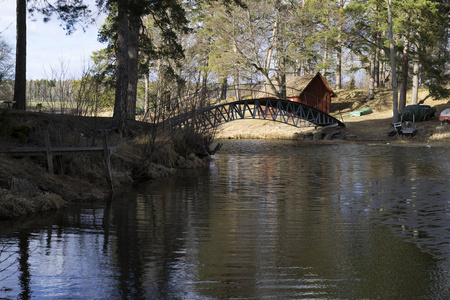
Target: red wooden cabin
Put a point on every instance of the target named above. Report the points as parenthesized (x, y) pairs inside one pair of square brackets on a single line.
[(311, 90)]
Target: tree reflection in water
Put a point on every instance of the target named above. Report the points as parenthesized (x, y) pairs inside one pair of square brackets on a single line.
[(266, 220)]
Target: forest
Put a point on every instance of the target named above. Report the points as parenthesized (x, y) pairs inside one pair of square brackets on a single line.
[(157, 52)]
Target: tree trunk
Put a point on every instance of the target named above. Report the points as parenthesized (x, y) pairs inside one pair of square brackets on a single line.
[(415, 78), (134, 23), (371, 94), (272, 45), (393, 66), (339, 67), (381, 69), (377, 68), (282, 78), (223, 88), (146, 96), (204, 87), (273, 91), (404, 82), (236, 72), (280, 55), (20, 83), (339, 48), (160, 83), (122, 76), (325, 58)]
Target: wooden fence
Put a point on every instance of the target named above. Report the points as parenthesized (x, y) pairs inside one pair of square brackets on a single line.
[(51, 152)]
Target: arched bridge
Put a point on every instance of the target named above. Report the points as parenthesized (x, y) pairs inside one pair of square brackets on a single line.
[(278, 110)]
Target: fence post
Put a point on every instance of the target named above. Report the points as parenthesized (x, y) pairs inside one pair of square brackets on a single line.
[(107, 160), (49, 152)]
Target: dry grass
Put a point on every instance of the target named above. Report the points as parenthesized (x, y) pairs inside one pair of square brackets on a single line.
[(14, 204), (441, 134), (259, 129)]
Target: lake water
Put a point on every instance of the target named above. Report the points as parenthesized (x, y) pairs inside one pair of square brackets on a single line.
[(266, 220)]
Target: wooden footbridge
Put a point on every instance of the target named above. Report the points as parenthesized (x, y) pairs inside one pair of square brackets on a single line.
[(278, 110), (306, 102)]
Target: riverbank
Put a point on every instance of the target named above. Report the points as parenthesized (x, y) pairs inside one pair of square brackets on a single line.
[(27, 187), (371, 128)]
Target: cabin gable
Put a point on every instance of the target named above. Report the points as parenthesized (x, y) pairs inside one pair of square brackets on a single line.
[(314, 91)]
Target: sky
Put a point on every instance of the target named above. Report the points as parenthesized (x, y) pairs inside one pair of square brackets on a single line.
[(48, 46)]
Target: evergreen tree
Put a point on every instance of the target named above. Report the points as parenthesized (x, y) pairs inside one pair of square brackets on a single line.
[(170, 18)]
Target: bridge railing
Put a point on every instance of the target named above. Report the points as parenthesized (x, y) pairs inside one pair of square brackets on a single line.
[(215, 95), (285, 111)]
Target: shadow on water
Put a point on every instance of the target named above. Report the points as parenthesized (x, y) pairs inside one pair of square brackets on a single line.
[(266, 220)]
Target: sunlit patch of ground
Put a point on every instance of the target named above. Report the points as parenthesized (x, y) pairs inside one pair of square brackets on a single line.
[(373, 127)]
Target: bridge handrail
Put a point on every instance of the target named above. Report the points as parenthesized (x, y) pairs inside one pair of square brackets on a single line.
[(261, 102), (215, 93)]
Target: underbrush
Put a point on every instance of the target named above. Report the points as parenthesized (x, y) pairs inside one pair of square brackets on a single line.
[(167, 150), (27, 199)]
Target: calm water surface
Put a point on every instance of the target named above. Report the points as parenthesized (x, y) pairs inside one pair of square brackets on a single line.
[(267, 220)]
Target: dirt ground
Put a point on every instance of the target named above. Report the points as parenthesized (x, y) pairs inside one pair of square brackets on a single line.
[(371, 128)]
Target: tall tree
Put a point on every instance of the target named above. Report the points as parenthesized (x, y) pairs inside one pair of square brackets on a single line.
[(393, 65), (430, 33), (415, 79), (404, 75), (134, 25), (122, 59), (339, 45), (20, 82), (169, 16)]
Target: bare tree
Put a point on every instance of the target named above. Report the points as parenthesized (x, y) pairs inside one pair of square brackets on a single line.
[(58, 93), (6, 64), (258, 43)]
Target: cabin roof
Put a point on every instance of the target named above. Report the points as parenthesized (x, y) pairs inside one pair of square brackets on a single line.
[(295, 85)]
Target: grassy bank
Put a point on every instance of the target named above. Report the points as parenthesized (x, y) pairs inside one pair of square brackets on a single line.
[(26, 186)]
